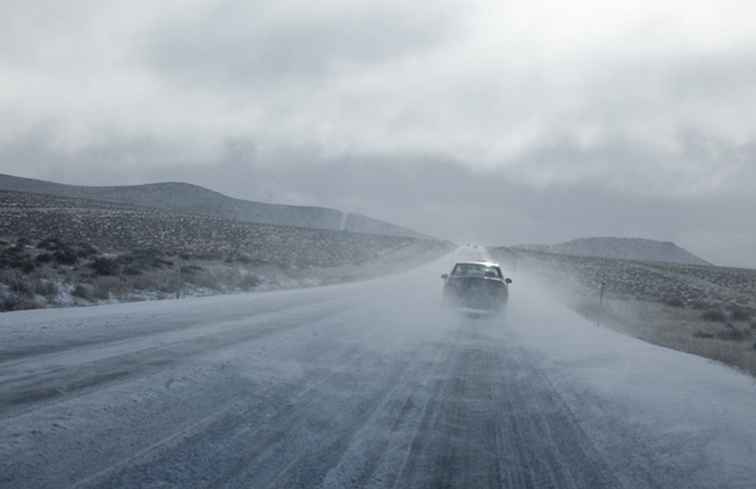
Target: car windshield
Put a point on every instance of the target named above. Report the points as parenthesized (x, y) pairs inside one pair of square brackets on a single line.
[(476, 270)]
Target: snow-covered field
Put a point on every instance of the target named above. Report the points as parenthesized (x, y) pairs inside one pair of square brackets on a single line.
[(366, 384), (705, 310)]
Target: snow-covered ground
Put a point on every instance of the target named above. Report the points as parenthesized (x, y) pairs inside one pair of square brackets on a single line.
[(194, 277), (704, 310), (654, 413), (366, 384)]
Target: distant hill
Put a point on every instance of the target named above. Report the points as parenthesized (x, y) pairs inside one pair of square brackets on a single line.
[(188, 198), (115, 227), (623, 248)]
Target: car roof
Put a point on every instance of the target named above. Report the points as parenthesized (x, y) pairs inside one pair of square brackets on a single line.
[(474, 262)]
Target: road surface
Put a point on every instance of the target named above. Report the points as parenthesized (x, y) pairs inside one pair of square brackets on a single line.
[(361, 385)]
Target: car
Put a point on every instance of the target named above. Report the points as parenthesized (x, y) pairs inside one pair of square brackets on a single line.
[(476, 287)]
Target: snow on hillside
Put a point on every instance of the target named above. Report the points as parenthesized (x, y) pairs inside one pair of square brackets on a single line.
[(623, 248), (701, 309), (59, 251), (184, 197)]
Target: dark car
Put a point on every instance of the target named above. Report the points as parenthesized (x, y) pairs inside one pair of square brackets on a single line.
[(476, 287)]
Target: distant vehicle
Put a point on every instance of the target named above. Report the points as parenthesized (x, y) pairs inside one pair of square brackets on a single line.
[(476, 287)]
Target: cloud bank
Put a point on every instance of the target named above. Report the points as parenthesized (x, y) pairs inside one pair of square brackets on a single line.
[(468, 120)]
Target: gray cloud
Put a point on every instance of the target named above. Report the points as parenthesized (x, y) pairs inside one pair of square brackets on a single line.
[(431, 193), (483, 120), (260, 42)]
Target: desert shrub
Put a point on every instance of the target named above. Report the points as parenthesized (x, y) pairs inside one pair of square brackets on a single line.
[(248, 260), (44, 258), (16, 282), (101, 293), (146, 253), (703, 334), (16, 303), (6, 303), (205, 279), (190, 269), (163, 282), (13, 257), (127, 263), (65, 256), (84, 291), (147, 281), (105, 266), (19, 294), (144, 259), (207, 255), (132, 270), (249, 281), (740, 314), (44, 287), (731, 334), (49, 244), (713, 315), (14, 250), (168, 286), (107, 286), (85, 250), (674, 302)]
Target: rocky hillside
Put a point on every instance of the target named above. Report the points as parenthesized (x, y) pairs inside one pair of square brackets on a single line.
[(112, 226), (623, 248), (187, 198), (695, 286), (58, 250)]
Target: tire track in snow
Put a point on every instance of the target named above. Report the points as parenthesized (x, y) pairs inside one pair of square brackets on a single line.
[(77, 377), (375, 452), (496, 421), (247, 403), (70, 333), (232, 442)]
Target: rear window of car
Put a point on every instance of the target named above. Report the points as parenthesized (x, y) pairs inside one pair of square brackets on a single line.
[(475, 270)]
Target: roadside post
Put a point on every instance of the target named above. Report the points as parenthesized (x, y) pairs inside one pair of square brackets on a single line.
[(601, 304), (179, 278)]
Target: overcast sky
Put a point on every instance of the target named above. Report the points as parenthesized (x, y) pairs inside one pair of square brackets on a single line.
[(500, 122)]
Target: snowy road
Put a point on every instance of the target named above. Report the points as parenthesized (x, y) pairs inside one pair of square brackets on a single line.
[(360, 385)]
